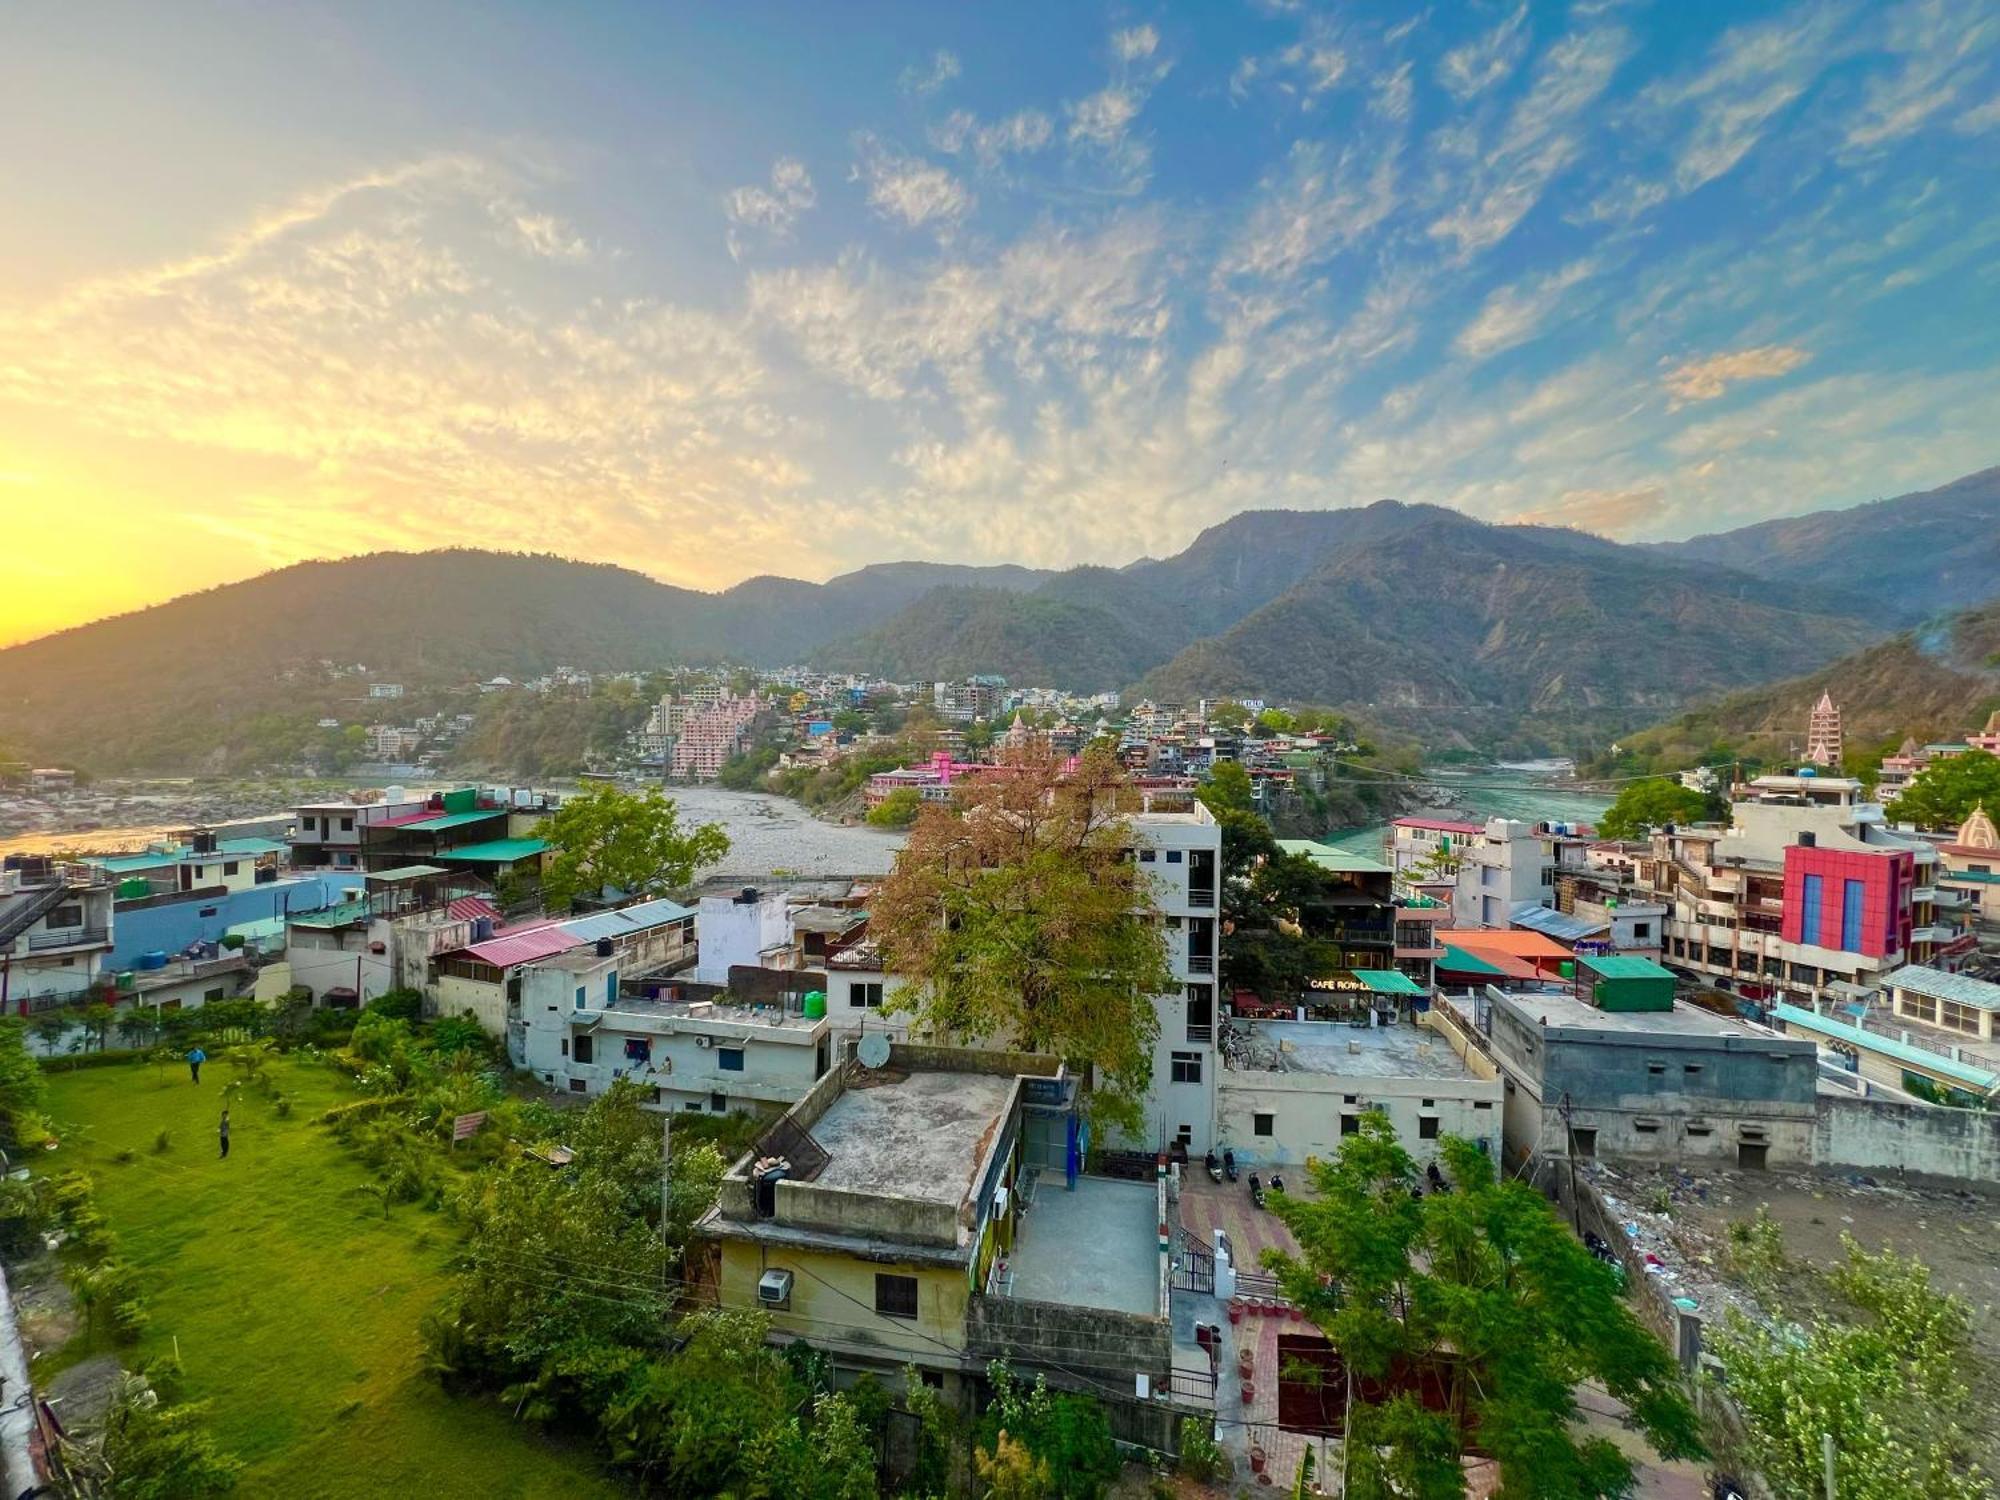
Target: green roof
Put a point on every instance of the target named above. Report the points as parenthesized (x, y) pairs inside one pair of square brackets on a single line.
[(1341, 861), (1388, 981), (333, 916), (450, 820), (1624, 966), (1977, 877), (263, 927), (119, 864), (1875, 1041), (407, 872), (1461, 962), (495, 851)]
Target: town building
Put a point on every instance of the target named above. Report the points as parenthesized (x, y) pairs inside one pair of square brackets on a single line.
[(1428, 844), (385, 938), (483, 976), (1645, 1078), (1508, 863), (712, 732), (1969, 871), (330, 833), (1178, 845), (55, 931)]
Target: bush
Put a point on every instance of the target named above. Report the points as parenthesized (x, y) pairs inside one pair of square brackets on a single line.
[(1202, 1457), (398, 1005)]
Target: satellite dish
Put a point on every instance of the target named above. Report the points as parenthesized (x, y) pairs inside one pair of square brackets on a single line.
[(873, 1049)]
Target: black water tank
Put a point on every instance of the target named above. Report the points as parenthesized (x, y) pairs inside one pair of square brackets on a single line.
[(747, 896), (1808, 840), (604, 948)]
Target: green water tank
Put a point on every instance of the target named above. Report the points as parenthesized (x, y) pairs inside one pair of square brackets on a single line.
[(1567, 968), (134, 888), (815, 1004)]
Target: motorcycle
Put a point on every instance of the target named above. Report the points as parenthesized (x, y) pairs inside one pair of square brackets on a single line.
[(1229, 1164), (1214, 1167), (1256, 1192), (1277, 1183)]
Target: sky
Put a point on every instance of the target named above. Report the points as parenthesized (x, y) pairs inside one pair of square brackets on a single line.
[(719, 290)]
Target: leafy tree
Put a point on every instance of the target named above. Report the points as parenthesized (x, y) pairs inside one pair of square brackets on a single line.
[(629, 842), (1886, 1377), (1645, 805), (897, 810), (1276, 721), (398, 1004), (1015, 914), (1229, 714), (1485, 1286), (1943, 794), (1246, 837), (159, 1452), (22, 1095), (830, 1458), (1068, 1435)]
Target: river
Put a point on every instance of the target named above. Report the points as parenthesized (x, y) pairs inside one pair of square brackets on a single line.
[(1526, 791)]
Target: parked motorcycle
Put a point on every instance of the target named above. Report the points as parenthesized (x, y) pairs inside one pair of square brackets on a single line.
[(1229, 1164), (1214, 1167), (1256, 1192), (1277, 1183)]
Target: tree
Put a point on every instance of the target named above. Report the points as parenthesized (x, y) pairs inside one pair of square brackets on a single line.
[(1229, 714), (1887, 1378), (1068, 1436), (1246, 837), (1016, 915), (21, 1091), (1484, 1287), (897, 810), (1944, 793), (1645, 805), (630, 843)]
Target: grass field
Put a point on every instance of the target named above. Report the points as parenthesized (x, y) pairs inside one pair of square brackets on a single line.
[(294, 1302)]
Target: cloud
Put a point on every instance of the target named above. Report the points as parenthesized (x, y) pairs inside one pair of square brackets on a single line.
[(1536, 143), (1134, 43), (1391, 94), (775, 209), (1943, 52), (1102, 119), (1020, 134), (1515, 314), (1468, 71), (547, 236), (1706, 379), (923, 79), (1309, 210), (1610, 513), (909, 190)]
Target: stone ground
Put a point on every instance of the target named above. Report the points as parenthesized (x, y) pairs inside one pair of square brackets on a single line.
[(1953, 1230)]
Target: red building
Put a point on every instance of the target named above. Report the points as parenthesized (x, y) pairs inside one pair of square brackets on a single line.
[(1848, 900)]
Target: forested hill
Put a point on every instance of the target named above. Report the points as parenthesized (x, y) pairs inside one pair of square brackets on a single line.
[(1933, 683)]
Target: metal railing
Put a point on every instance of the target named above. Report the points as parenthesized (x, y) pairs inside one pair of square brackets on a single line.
[(1197, 1032), (74, 937), (1201, 896), (1200, 963)]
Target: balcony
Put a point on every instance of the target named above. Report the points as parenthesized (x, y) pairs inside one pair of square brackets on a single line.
[(1202, 896), (73, 937), (1200, 1032), (1200, 963)]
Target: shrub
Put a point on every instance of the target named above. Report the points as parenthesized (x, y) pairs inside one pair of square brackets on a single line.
[(397, 1005), (1202, 1457), (125, 1157)]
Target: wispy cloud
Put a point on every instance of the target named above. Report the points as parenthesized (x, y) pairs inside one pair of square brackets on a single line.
[(1942, 54), (1515, 314), (908, 190), (1468, 71), (774, 209), (1606, 512), (923, 79), (1134, 43), (1706, 379), (1019, 134)]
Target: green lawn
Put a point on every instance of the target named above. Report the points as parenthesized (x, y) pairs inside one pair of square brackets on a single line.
[(294, 1302)]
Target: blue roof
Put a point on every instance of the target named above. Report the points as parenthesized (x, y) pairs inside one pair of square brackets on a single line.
[(1888, 1046), (1564, 927), (627, 919)]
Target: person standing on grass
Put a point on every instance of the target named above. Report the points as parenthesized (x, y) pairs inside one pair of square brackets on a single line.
[(225, 1134), (195, 1059)]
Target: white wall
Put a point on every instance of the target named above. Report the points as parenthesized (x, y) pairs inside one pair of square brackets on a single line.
[(733, 932), (1307, 1109)]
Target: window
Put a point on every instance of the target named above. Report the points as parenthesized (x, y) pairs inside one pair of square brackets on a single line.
[(70, 914), (1585, 1139), (229, 866), (1146, 856), (309, 825), (611, 988), (718, 1102), (1690, 1069), (1186, 1067), (1484, 1103), (729, 1059), (1430, 1104), (1427, 1127), (565, 1046), (1350, 1124), (693, 1105), (577, 1086), (581, 1052), (1185, 1135), (1642, 929), (1264, 1122), (579, 997), (1646, 1127), (206, 911), (1173, 924), (347, 825), (1173, 856), (211, 994), (1699, 1130), (864, 996), (1350, 1098), (896, 1296), (1656, 1068)]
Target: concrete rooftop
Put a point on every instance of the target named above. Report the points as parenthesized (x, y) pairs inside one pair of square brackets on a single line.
[(666, 1012), (921, 1137), (1561, 1009), (1095, 1247), (1334, 1047)]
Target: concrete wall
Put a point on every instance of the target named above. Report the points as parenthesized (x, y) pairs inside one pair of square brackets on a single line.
[(1090, 1338), (808, 1205), (324, 959), (1876, 1135), (488, 1002), (1307, 1109), (833, 1303), (733, 932), (169, 926)]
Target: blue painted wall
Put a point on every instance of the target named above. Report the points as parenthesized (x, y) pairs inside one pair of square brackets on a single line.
[(173, 925)]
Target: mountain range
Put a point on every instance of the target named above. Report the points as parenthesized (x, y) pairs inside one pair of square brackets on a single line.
[(1460, 631)]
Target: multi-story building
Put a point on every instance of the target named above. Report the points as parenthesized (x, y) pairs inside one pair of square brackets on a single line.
[(1510, 862), (710, 735), (1969, 870), (1429, 842), (331, 833), (1824, 742), (1178, 844), (55, 931)]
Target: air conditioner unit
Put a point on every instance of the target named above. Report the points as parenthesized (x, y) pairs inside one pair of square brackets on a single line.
[(774, 1289), (702, 1039)]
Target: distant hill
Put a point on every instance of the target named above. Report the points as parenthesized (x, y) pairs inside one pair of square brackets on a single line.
[(1934, 683), (1914, 555), (1425, 619), (1517, 634)]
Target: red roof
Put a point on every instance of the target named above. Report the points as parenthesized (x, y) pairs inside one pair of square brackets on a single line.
[(465, 908), (522, 947), (1443, 825)]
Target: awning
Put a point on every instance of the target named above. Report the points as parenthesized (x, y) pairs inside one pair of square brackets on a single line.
[(1388, 981)]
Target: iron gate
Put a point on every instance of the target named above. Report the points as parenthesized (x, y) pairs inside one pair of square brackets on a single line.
[(1194, 1264)]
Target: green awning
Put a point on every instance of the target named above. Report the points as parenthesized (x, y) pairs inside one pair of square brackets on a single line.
[(495, 851), (1388, 981), (447, 820)]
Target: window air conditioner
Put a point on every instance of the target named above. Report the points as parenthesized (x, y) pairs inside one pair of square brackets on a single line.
[(774, 1289)]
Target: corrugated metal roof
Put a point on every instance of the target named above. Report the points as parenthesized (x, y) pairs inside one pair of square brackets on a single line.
[(1563, 926), (333, 916), (1458, 961), (524, 946), (441, 821), (495, 850), (1624, 966), (407, 872), (638, 917), (1888, 1046), (1504, 940), (1388, 981), (1962, 989), (1341, 861)]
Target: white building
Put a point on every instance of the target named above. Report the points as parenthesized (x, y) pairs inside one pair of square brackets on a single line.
[(1181, 852), (329, 833), (1510, 862), (577, 1032), (752, 927), (55, 931)]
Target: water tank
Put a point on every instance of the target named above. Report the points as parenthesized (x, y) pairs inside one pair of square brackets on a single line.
[(157, 959), (482, 929), (392, 794), (815, 1006), (1808, 840), (605, 948), (204, 841), (747, 896)]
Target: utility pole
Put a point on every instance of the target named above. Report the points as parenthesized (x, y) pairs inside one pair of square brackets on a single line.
[(666, 1168), (1568, 1113), (1826, 1455)]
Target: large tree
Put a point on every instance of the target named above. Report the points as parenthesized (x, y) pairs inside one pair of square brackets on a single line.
[(1016, 915), (1246, 836), (629, 843), (1653, 803), (1943, 794), (1484, 1286)]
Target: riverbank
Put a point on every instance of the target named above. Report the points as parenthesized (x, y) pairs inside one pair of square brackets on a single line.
[(1473, 794)]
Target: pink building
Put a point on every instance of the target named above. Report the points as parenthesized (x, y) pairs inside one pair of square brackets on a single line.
[(1848, 900), (710, 736)]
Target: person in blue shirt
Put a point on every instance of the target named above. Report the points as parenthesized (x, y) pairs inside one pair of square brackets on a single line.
[(195, 1059)]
